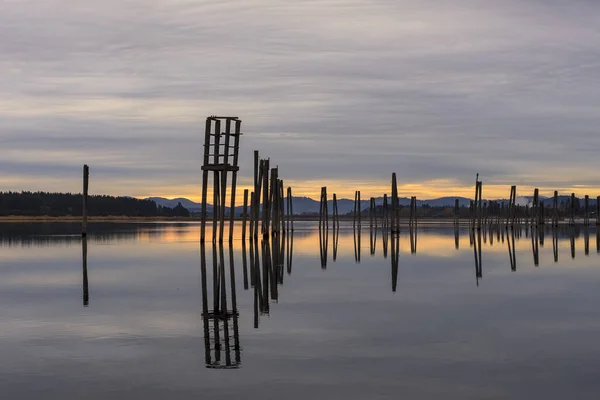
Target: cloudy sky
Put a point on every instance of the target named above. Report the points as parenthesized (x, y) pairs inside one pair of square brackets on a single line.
[(337, 93)]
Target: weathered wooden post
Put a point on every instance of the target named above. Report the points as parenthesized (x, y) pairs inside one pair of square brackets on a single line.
[(244, 214), (86, 177), (385, 222), (206, 161), (282, 218), (572, 216), (354, 211), (555, 209), (587, 210), (598, 210), (456, 212), (265, 205), (256, 202), (252, 211), (272, 211), (479, 211), (359, 212), (290, 209), (371, 211), (395, 228), (234, 170), (336, 215), (535, 207)]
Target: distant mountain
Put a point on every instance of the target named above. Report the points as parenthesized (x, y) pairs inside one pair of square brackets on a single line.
[(306, 205), (190, 205)]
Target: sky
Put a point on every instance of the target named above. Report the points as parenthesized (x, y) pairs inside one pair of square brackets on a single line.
[(337, 93)]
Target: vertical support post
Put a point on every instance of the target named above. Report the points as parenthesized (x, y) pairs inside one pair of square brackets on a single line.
[(535, 207), (256, 203), (394, 213), (456, 211), (555, 209), (336, 216), (572, 217), (598, 210), (371, 211), (265, 205), (236, 146), (587, 210), (205, 179), (290, 209), (86, 178), (224, 173), (385, 213), (216, 190), (359, 211), (244, 214)]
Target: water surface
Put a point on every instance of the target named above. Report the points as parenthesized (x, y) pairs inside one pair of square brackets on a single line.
[(435, 313)]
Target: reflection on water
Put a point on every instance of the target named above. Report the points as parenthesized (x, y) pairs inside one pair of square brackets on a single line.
[(266, 310)]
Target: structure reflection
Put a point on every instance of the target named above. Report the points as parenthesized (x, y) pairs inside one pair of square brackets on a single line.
[(86, 292), (221, 331)]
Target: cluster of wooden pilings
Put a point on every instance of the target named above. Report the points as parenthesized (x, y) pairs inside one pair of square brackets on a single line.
[(267, 207), (538, 214)]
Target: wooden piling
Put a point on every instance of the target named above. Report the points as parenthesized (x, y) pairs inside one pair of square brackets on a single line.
[(205, 162), (456, 212), (587, 210), (244, 214), (572, 214), (290, 209), (86, 178), (336, 216), (598, 210), (555, 209), (395, 223), (236, 146)]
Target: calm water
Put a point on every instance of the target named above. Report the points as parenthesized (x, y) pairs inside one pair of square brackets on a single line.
[(434, 315)]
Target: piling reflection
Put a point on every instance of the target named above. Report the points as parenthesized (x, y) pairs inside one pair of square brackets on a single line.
[(395, 259), (535, 240), (86, 291), (413, 239), (221, 330), (323, 246), (356, 234), (477, 253), (555, 243), (511, 248)]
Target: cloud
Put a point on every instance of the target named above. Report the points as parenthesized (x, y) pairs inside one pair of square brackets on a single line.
[(336, 91)]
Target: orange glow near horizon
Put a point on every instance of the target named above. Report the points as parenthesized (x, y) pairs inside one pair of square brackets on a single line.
[(346, 189)]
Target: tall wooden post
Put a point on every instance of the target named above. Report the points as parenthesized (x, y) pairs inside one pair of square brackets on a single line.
[(587, 210), (290, 209), (385, 213), (244, 214), (598, 210), (371, 211), (265, 205), (236, 146), (86, 177), (394, 214), (205, 180), (535, 207), (456, 211), (572, 216), (336, 216), (251, 227), (555, 209), (359, 212)]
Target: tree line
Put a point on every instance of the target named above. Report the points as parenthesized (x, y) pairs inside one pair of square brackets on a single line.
[(69, 204)]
